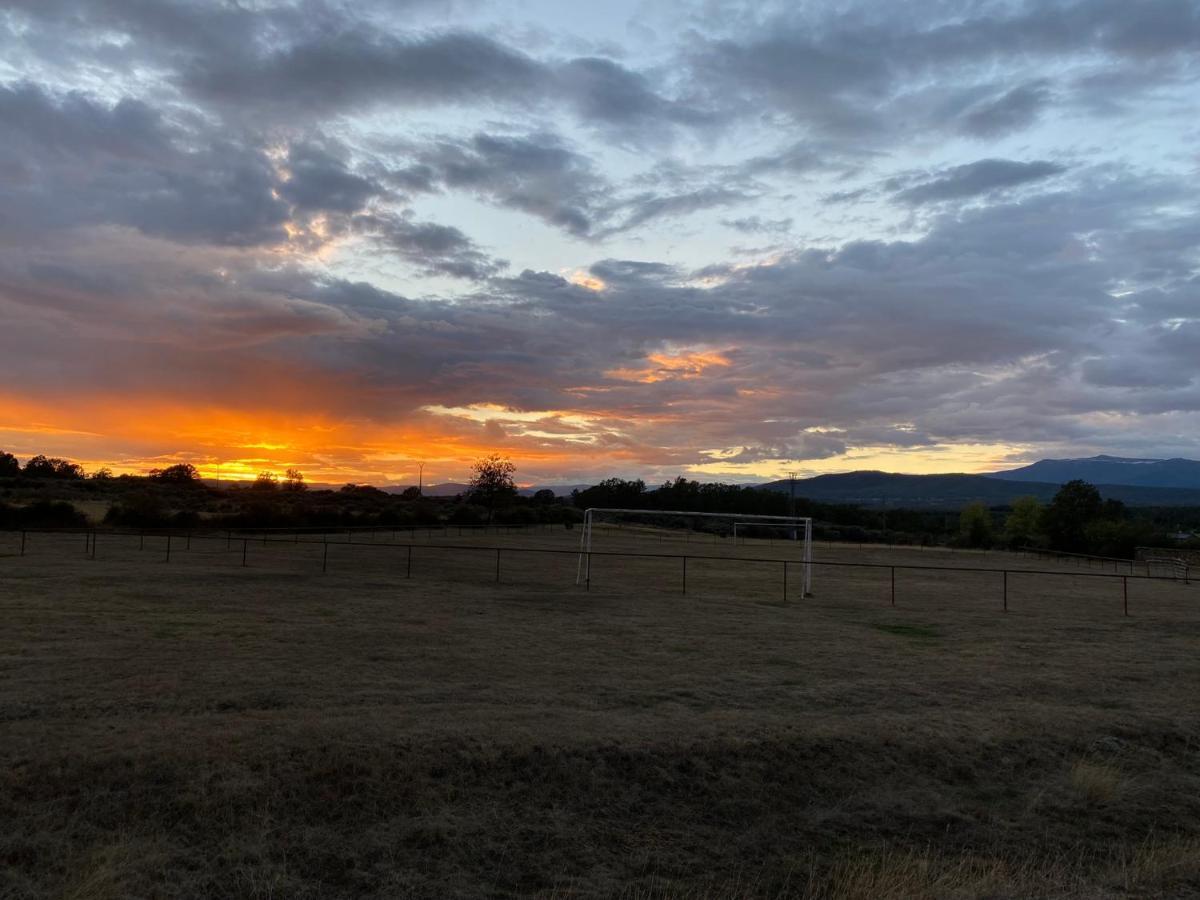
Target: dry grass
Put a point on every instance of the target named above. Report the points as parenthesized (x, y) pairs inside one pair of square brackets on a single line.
[(200, 729), (1095, 782)]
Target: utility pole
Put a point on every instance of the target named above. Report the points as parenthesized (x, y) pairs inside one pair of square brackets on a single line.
[(420, 479)]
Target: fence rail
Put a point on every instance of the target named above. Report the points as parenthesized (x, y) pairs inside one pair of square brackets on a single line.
[(181, 539)]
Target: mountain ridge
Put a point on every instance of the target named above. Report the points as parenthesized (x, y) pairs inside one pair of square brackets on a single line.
[(955, 490), (1176, 472)]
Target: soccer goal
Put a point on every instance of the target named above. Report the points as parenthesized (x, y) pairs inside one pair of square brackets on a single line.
[(797, 528), (1167, 567)]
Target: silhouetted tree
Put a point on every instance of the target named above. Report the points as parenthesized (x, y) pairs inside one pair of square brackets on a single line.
[(266, 481), (294, 481), (544, 496), (104, 473), (9, 465), (492, 481), (612, 493), (51, 467), (180, 473), (1065, 520), (411, 493)]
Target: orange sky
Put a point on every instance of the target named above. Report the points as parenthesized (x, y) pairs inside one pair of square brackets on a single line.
[(135, 435)]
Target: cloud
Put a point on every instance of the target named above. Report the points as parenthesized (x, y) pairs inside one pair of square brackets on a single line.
[(758, 225), (73, 161), (318, 179), (536, 173), (190, 195), (975, 179), (1014, 110), (434, 249)]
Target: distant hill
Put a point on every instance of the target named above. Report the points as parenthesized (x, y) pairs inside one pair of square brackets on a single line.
[(560, 490), (886, 489), (1162, 473), (453, 489)]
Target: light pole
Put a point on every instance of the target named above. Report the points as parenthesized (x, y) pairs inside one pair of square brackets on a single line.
[(420, 478)]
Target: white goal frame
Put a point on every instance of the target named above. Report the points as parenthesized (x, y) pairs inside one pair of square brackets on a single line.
[(802, 524), (1179, 568)]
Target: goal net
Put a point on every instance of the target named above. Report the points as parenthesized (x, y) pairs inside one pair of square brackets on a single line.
[(662, 522)]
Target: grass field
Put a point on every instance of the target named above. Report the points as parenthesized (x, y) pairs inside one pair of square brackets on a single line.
[(202, 729)]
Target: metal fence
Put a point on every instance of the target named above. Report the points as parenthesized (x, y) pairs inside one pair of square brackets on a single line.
[(618, 570)]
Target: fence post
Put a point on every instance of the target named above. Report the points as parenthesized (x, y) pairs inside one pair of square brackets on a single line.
[(245, 544), (408, 571), (497, 564), (168, 548), (325, 558), (587, 582), (93, 545), (22, 541), (1125, 591), (1006, 590), (893, 585), (685, 576)]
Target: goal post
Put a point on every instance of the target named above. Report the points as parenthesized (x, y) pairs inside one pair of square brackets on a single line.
[(800, 527)]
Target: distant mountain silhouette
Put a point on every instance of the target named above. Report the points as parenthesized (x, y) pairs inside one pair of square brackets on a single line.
[(886, 489), (1163, 473)]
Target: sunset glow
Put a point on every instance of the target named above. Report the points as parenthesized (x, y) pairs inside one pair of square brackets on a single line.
[(633, 247)]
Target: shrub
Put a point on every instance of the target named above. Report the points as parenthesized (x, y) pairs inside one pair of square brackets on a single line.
[(49, 514)]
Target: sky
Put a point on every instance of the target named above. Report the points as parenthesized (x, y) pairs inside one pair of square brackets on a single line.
[(641, 238)]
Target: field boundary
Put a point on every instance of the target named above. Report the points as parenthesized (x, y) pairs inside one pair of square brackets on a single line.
[(180, 540)]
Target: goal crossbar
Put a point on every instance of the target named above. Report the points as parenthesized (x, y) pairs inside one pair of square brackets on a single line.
[(799, 523)]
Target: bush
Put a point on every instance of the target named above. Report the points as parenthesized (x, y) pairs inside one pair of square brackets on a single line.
[(9, 466), (46, 514), (144, 510)]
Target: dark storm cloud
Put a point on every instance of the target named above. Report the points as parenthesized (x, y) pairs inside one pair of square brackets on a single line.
[(975, 179)]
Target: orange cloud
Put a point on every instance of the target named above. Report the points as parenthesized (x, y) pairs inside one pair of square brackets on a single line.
[(673, 366)]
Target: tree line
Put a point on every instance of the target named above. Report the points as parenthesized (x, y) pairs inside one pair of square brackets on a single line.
[(1077, 520)]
